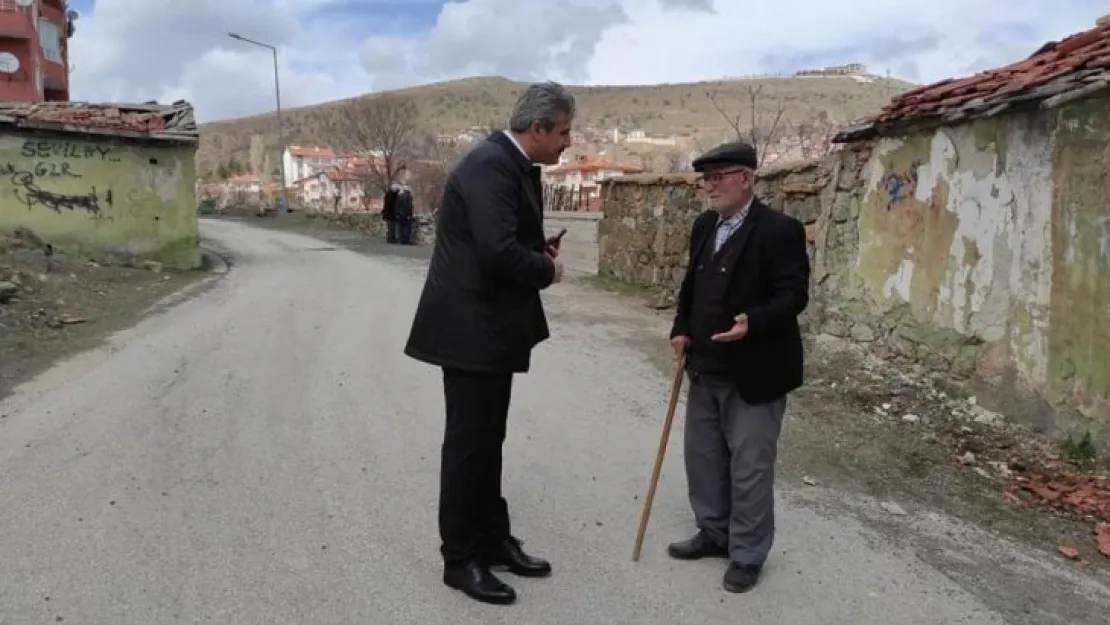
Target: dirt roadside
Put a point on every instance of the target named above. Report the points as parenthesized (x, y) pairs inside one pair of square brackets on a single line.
[(883, 430), (53, 305)]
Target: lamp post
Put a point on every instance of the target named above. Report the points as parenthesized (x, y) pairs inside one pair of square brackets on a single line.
[(284, 202)]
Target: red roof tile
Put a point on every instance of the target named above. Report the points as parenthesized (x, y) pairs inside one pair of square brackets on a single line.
[(1087, 51), (147, 119), (585, 165)]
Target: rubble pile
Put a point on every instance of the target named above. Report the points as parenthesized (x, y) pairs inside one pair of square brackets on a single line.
[(1028, 467)]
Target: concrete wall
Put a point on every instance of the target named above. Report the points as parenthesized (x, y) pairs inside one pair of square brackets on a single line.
[(105, 198), (981, 250)]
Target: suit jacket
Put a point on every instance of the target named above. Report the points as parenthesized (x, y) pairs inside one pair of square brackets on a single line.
[(768, 281), (480, 309), (389, 204), (402, 203)]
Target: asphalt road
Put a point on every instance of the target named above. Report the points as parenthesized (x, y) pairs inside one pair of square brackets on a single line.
[(263, 453)]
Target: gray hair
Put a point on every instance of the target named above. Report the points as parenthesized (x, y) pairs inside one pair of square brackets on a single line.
[(543, 103)]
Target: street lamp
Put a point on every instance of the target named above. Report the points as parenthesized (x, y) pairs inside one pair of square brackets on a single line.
[(284, 206)]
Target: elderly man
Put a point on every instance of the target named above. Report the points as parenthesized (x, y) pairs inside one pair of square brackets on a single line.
[(479, 317), (737, 325)]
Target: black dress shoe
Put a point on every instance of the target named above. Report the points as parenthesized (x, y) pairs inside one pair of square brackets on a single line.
[(508, 555), (478, 583), (700, 546), (740, 578)]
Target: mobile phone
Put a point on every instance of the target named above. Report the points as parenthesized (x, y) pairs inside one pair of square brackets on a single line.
[(559, 236)]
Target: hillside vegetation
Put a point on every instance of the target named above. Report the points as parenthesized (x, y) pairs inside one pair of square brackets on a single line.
[(657, 109)]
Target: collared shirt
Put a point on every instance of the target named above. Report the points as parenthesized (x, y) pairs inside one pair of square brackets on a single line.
[(727, 227), (518, 146)]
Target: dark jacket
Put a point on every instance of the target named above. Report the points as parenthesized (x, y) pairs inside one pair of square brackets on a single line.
[(389, 205), (768, 272), (402, 205), (480, 309)]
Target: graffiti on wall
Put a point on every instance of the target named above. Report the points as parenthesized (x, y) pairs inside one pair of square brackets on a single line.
[(53, 160), (900, 185)]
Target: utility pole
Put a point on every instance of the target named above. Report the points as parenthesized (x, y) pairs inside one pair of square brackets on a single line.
[(284, 201)]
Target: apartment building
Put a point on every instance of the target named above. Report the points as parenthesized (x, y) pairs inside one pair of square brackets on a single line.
[(34, 50)]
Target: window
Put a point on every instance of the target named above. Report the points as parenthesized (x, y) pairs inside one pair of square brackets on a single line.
[(50, 36)]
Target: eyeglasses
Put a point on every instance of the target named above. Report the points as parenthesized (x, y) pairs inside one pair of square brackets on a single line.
[(717, 176)]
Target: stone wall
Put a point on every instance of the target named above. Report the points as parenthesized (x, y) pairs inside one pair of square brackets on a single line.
[(645, 231), (372, 225), (981, 250)]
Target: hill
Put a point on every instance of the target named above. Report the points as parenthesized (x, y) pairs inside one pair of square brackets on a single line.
[(682, 109)]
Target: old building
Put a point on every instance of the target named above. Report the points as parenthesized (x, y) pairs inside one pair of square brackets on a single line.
[(34, 50), (107, 182)]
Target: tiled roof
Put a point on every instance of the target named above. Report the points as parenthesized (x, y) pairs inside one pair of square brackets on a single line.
[(585, 165), (156, 121), (312, 151), (1059, 72)]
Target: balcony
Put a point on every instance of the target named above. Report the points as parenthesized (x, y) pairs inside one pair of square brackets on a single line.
[(15, 24)]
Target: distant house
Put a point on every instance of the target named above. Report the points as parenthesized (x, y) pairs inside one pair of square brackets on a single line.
[(340, 189), (244, 183), (301, 162), (582, 180)]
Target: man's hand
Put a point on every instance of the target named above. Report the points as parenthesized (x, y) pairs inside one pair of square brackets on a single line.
[(553, 243), (738, 331), (558, 264), (680, 344)]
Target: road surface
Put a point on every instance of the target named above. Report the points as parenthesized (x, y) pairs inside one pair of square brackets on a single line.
[(263, 453)]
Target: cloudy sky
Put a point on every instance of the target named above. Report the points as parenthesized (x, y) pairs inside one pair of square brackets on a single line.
[(170, 49)]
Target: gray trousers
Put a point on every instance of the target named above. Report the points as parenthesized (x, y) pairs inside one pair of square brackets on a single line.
[(730, 448)]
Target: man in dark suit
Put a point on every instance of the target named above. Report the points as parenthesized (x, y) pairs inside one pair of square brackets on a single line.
[(389, 214), (478, 318), (737, 326), (403, 209)]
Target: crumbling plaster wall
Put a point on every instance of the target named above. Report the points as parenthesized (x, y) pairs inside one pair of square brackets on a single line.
[(980, 250)]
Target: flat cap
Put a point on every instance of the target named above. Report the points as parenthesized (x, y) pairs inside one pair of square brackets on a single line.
[(736, 153)]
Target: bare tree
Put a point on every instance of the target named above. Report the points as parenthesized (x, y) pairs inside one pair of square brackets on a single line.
[(431, 170), (756, 124), (383, 128), (257, 154), (813, 137), (676, 161)]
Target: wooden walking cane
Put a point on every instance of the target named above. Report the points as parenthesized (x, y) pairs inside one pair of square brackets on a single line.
[(675, 388)]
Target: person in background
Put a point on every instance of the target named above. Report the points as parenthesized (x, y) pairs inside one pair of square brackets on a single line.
[(389, 210), (478, 319), (403, 207), (746, 282)]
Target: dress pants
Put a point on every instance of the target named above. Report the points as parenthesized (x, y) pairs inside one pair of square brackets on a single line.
[(731, 447), (473, 516)]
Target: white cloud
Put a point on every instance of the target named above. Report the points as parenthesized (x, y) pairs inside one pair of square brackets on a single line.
[(168, 49)]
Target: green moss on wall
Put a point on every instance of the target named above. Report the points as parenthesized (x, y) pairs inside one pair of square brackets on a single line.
[(1079, 368), (105, 198)]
